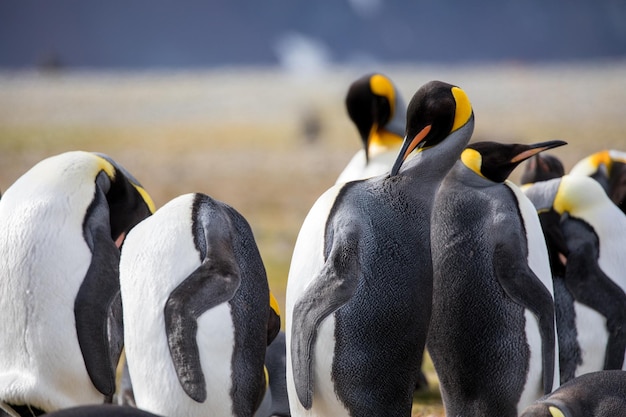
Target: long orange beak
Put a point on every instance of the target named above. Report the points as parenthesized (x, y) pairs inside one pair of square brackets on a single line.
[(409, 146)]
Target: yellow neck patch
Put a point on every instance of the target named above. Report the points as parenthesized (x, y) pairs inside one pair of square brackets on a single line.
[(463, 108), (472, 159), (380, 85), (106, 166), (381, 140), (274, 304), (146, 197), (555, 412)]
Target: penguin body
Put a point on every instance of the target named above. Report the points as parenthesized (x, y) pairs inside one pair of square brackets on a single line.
[(594, 281), (608, 167), (359, 287), (197, 316), (492, 334), (60, 222), (378, 110), (596, 394)]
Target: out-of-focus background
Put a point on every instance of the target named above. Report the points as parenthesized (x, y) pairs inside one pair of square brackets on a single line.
[(243, 99)]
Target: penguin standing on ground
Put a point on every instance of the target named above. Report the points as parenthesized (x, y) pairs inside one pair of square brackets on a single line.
[(608, 167), (596, 394), (359, 288), (377, 109), (594, 231), (492, 332), (59, 285), (198, 314)]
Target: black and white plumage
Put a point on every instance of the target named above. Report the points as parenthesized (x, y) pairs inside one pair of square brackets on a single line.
[(608, 167), (59, 260), (591, 295), (492, 334), (378, 111), (359, 288), (197, 315)]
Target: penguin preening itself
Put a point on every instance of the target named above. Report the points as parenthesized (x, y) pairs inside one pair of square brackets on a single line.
[(542, 167), (608, 167), (492, 332), (377, 109), (596, 394), (359, 287), (594, 281), (59, 285), (198, 314)]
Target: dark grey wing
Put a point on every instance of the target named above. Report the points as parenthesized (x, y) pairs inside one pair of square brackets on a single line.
[(97, 293), (522, 285), (212, 283), (592, 287), (331, 288)]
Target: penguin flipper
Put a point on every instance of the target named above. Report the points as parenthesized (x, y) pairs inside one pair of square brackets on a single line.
[(592, 287), (214, 282), (524, 287), (96, 295), (330, 289)]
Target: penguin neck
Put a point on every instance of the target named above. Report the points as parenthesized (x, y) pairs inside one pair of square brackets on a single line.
[(468, 176), (434, 163)]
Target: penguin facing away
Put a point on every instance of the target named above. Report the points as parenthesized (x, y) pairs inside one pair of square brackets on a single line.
[(359, 287), (59, 289), (378, 110), (608, 167), (197, 314), (492, 331), (596, 394), (593, 229)]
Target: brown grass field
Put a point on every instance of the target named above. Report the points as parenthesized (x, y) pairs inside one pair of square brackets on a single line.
[(238, 134)]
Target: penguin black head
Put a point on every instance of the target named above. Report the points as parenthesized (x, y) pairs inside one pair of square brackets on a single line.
[(373, 103), (436, 110), (128, 201), (495, 161), (542, 168)]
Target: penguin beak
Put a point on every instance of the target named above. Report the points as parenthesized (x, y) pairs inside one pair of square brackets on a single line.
[(532, 150), (409, 146)]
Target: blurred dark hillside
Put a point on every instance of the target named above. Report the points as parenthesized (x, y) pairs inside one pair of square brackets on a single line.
[(192, 33)]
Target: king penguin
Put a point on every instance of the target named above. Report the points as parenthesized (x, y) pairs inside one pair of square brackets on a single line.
[(378, 110), (59, 260), (542, 167), (359, 287), (596, 394), (608, 167), (198, 313), (492, 334), (594, 231)]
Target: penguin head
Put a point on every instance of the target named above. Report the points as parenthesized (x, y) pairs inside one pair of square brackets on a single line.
[(578, 194), (436, 111), (495, 161), (542, 168), (128, 201), (598, 163), (377, 109)]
